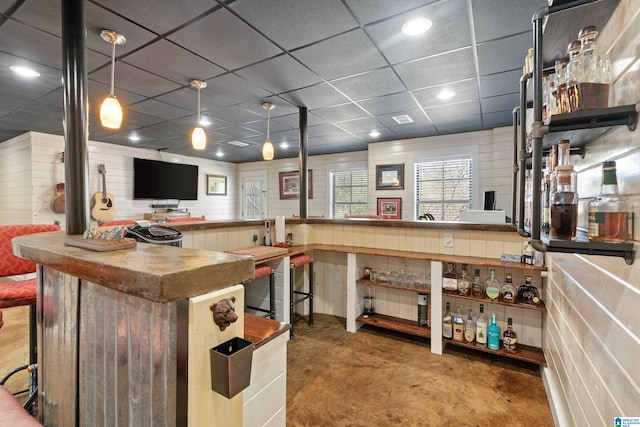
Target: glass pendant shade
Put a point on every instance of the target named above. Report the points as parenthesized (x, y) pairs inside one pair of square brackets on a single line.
[(198, 138), (267, 150), (111, 112)]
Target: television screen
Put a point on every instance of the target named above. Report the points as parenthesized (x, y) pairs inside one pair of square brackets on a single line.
[(154, 179)]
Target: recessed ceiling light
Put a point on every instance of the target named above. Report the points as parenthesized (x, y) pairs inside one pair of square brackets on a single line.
[(134, 138), (446, 94), (416, 26), (204, 122), (219, 153), (374, 134), (403, 119), (284, 144), (238, 143), (24, 71)]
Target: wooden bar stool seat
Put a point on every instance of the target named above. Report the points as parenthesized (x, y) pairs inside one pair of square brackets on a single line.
[(300, 261), (263, 270)]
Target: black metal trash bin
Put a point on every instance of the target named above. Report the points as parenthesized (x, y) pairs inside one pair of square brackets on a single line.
[(157, 234)]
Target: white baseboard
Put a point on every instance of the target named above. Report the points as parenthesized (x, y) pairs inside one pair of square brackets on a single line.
[(557, 402)]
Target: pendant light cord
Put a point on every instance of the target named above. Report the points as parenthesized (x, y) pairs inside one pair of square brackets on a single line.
[(198, 123), (268, 122), (113, 66)]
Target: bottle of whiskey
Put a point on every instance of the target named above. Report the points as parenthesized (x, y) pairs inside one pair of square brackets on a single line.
[(564, 209), (508, 291), (610, 214), (492, 286), (464, 285), (458, 325), (493, 334), (546, 191), (477, 290), (481, 329), (450, 280), (469, 328), (509, 338), (447, 325)]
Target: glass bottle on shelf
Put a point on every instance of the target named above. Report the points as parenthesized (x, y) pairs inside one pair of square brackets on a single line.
[(553, 175), (528, 201), (595, 72), (450, 280), (610, 213), (509, 338), (492, 285), (464, 285), (508, 291), (527, 293), (564, 209), (469, 328), (527, 253), (493, 334), (477, 290), (481, 329), (458, 325), (447, 325), (573, 75), (546, 99), (561, 102)]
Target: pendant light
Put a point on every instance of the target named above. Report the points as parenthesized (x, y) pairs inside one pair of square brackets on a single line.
[(267, 148), (110, 110), (198, 137)]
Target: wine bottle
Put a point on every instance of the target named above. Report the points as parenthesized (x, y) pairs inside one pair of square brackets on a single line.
[(447, 325)]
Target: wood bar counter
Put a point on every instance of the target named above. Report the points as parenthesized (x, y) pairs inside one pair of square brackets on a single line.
[(124, 336)]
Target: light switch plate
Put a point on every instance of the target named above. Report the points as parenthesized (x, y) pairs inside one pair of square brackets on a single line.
[(448, 240)]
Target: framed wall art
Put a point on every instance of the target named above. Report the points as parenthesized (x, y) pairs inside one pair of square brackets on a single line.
[(216, 185), (390, 208), (390, 177), (290, 185)]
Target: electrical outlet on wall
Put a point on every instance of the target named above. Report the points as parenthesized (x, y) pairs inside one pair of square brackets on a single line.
[(254, 236), (448, 240)]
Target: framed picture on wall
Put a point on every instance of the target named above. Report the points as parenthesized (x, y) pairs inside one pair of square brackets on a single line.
[(216, 185), (290, 185), (390, 208), (390, 177)]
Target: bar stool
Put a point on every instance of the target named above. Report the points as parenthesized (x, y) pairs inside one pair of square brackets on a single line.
[(299, 261), (262, 270)]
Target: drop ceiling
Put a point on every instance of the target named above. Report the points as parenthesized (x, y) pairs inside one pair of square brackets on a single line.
[(347, 61)]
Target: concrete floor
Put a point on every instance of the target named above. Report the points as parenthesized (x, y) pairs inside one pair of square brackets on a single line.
[(374, 378)]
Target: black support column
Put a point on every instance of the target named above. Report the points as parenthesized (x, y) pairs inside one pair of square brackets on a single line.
[(76, 124), (304, 173)]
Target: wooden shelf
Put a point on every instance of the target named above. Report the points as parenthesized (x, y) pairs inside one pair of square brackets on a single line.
[(540, 307), (525, 353), (396, 324), (389, 285)]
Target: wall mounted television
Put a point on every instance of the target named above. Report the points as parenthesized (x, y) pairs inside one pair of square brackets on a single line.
[(158, 180)]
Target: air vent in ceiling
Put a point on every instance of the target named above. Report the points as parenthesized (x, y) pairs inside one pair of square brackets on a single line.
[(403, 119), (238, 143)]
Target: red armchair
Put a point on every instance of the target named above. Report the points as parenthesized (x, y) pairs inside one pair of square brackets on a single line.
[(20, 292)]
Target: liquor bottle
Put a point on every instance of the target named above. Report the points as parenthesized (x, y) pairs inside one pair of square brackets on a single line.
[(573, 75), (528, 201), (477, 290), (481, 329), (492, 286), (458, 325), (528, 294), (546, 191), (527, 253), (564, 209), (447, 325), (508, 291), (595, 72), (509, 338), (450, 279), (464, 285), (553, 177), (469, 328), (493, 334), (610, 214)]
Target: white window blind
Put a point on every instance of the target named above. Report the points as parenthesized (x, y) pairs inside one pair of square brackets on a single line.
[(348, 193), (444, 187)]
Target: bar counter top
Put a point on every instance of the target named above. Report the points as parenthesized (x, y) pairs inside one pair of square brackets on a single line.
[(439, 225), (155, 272)]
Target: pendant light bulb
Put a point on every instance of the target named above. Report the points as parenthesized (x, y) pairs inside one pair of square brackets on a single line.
[(198, 136), (267, 149), (110, 109)]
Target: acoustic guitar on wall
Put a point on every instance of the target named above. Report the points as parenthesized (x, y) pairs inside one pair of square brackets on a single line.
[(58, 202), (102, 202)]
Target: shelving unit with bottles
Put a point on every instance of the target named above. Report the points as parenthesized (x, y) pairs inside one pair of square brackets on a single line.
[(558, 25), (528, 319)]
